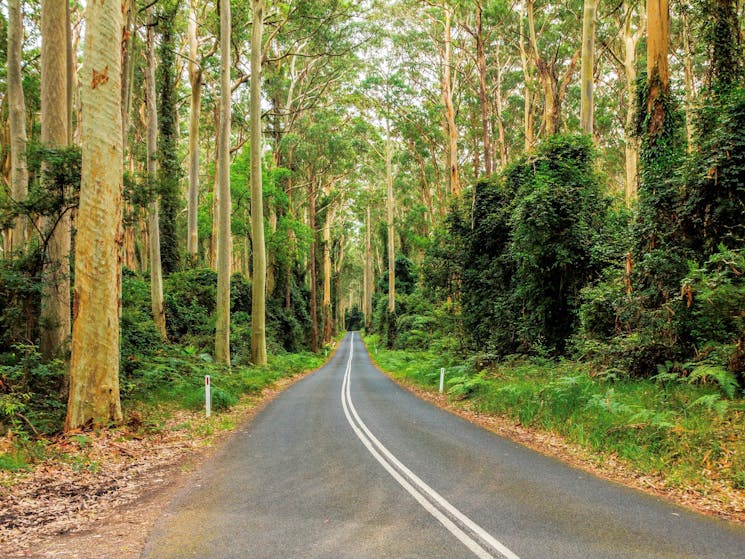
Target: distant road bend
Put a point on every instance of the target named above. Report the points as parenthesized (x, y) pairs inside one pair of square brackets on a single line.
[(345, 464)]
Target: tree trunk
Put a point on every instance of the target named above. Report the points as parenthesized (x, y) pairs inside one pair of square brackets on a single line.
[(258, 299), (17, 123), (631, 149), (326, 301), (588, 66), (447, 98), (389, 204), (528, 78), (688, 80), (215, 194), (195, 107), (55, 299), (658, 73), (156, 271), (127, 69), (500, 120), (222, 312), (312, 265), (484, 104), (368, 288), (94, 362)]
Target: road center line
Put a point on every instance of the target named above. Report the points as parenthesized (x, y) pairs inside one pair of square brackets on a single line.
[(436, 505)]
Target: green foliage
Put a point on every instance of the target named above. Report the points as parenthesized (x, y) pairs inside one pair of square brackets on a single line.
[(678, 427), (30, 391), (354, 319), (20, 294), (189, 298), (169, 166), (712, 210)]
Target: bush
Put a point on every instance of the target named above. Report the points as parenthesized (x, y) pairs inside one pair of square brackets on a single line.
[(190, 299)]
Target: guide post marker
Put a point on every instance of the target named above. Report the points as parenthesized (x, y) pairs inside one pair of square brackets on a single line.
[(207, 396), (442, 379)]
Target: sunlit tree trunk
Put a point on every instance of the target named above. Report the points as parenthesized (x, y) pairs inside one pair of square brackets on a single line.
[(390, 209), (222, 313), (94, 361), (554, 89), (55, 299), (367, 306), (631, 148), (499, 103), (195, 106), (258, 297), (483, 101), (156, 270), (528, 79), (658, 73), (17, 121), (588, 66), (127, 68), (447, 98)]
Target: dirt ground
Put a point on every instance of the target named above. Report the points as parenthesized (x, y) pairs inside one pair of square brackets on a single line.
[(105, 506)]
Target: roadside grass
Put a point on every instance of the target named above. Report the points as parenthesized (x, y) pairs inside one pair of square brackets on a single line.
[(161, 392), (689, 430)]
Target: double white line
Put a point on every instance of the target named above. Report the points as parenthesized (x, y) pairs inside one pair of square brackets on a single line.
[(473, 536)]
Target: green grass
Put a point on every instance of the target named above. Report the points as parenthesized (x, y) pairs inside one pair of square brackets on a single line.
[(690, 430), (159, 385)]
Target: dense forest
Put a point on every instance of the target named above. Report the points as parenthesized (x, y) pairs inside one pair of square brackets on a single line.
[(192, 185)]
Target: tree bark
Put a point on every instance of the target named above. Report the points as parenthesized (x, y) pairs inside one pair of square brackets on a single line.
[(55, 299), (17, 123), (156, 270), (127, 68), (195, 107), (368, 288), (528, 78), (658, 73), (312, 265), (447, 98), (390, 208), (588, 66), (631, 148), (258, 299), (94, 362), (326, 300), (222, 313), (483, 101), (688, 80)]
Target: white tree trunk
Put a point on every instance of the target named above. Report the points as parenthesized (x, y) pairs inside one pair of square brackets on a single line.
[(94, 362), (258, 300), (588, 66), (156, 268), (17, 122), (222, 313), (195, 107)]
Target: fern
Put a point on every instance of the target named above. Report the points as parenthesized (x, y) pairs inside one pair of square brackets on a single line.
[(725, 380), (712, 402)]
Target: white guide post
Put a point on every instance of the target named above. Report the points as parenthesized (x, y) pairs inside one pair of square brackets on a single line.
[(207, 396), (442, 379)]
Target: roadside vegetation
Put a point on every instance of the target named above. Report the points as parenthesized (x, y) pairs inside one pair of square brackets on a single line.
[(688, 429), (159, 380)]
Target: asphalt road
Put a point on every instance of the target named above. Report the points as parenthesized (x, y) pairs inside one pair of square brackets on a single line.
[(345, 464)]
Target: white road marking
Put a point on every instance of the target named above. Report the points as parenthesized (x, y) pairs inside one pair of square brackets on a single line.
[(394, 467)]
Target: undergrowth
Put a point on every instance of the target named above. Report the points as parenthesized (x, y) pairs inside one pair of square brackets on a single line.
[(153, 392), (688, 428)]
